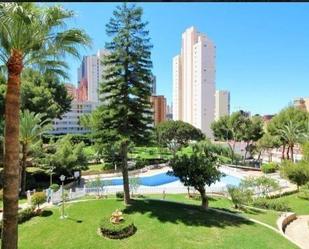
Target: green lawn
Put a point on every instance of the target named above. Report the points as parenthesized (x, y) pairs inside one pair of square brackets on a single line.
[(159, 225), (269, 217), (298, 205)]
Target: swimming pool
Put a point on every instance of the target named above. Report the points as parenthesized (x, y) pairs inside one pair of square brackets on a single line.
[(164, 178)]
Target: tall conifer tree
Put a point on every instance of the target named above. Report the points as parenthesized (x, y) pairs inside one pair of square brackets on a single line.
[(125, 116)]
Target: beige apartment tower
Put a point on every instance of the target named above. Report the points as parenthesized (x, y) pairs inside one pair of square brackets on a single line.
[(222, 104), (194, 81), (158, 103)]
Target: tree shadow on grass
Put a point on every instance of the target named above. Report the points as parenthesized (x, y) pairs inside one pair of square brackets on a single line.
[(190, 215), (252, 211), (46, 213)]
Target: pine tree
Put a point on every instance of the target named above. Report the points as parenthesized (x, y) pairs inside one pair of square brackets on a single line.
[(125, 116)]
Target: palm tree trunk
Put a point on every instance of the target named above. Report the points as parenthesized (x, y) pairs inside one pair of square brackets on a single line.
[(288, 153), (292, 152), (23, 169), (125, 175), (283, 151), (11, 153), (246, 151)]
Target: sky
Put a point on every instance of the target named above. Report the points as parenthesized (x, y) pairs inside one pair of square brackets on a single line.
[(262, 48)]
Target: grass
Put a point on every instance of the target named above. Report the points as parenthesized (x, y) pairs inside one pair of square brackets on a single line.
[(268, 216), (159, 224), (297, 204), (94, 169)]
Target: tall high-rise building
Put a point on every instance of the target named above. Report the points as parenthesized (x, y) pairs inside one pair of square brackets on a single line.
[(158, 103), (222, 104), (194, 81), (89, 76)]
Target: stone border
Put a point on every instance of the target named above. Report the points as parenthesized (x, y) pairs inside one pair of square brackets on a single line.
[(284, 220)]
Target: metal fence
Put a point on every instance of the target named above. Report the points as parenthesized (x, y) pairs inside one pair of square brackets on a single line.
[(76, 193)]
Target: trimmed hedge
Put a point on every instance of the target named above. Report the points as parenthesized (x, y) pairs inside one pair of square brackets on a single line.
[(275, 204), (269, 168), (122, 230)]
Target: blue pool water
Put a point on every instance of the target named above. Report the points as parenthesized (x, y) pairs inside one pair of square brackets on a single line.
[(164, 178)]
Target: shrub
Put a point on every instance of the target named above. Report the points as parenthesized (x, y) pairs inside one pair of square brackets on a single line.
[(122, 230), (26, 214), (1, 194), (38, 198), (140, 163), (269, 168), (239, 196), (275, 204), (119, 195), (55, 187), (297, 173), (304, 193)]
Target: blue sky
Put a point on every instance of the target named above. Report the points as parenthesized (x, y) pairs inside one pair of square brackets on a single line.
[(262, 48)]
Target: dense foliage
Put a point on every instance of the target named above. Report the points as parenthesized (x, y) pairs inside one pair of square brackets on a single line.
[(65, 156), (291, 126), (197, 169), (297, 173), (125, 116), (269, 167), (239, 196), (38, 198), (122, 230), (236, 128), (176, 134)]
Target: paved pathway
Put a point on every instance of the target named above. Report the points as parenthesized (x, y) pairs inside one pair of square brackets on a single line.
[(298, 231)]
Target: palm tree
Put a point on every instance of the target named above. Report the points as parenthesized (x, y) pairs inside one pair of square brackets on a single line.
[(291, 133), (31, 128), (30, 35)]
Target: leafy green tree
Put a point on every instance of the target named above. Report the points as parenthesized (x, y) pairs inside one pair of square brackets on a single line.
[(30, 35), (239, 196), (292, 134), (266, 143), (176, 134), (31, 128), (253, 132), (67, 157), (125, 114), (44, 93), (280, 122), (236, 128), (197, 170), (297, 173)]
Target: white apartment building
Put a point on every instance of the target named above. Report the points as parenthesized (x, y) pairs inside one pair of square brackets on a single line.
[(222, 104), (194, 81), (69, 122), (90, 74)]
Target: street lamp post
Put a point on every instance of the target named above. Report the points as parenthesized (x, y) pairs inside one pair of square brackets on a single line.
[(62, 178), (51, 175)]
